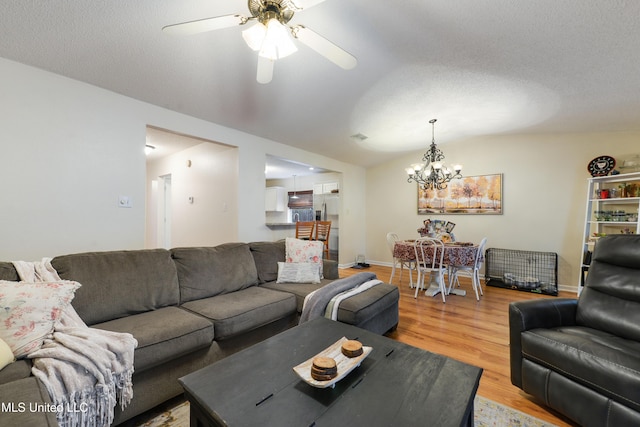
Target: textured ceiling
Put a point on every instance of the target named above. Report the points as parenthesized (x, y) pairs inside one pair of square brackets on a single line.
[(480, 67)]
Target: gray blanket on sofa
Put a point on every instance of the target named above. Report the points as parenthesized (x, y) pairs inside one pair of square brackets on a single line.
[(316, 302)]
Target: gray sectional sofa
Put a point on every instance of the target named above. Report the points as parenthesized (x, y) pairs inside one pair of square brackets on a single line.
[(187, 307)]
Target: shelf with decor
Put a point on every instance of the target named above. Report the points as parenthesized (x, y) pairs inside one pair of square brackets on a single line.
[(612, 207)]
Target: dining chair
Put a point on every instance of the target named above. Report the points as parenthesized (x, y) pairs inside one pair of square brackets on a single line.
[(472, 271), (304, 230), (392, 238), (430, 260), (322, 234)]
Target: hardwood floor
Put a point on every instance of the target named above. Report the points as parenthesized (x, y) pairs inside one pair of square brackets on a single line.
[(474, 332)]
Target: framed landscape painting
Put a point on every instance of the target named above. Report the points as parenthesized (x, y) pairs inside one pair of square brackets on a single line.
[(477, 195)]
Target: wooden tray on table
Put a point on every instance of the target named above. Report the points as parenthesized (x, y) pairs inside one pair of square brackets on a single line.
[(345, 364)]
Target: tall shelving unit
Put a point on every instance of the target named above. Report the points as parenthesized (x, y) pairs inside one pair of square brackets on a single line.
[(613, 203)]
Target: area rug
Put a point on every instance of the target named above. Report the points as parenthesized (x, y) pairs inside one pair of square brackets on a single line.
[(487, 414)]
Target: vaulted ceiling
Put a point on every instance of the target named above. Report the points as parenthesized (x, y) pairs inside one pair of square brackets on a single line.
[(480, 67)]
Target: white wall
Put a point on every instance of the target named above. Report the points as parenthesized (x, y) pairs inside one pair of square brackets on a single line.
[(68, 152), (544, 194), (208, 174), (70, 149)]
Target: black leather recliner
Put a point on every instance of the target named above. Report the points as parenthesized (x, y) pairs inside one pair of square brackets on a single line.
[(581, 356)]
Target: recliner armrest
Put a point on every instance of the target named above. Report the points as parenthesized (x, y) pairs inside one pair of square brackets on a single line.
[(542, 313), (533, 314)]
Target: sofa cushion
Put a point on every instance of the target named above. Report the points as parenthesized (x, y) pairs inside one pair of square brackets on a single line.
[(26, 397), (163, 334), (596, 359), (207, 272), (119, 283), (243, 310), (19, 369), (300, 290), (266, 256), (8, 272), (361, 307), (354, 310), (330, 269)]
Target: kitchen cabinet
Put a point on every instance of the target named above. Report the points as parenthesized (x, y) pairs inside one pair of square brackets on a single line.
[(325, 188), (275, 199)]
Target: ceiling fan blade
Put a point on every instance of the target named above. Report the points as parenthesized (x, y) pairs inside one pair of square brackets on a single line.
[(265, 70), (204, 25), (324, 47), (304, 4)]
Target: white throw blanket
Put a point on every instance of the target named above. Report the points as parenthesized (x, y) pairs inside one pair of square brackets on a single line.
[(85, 370)]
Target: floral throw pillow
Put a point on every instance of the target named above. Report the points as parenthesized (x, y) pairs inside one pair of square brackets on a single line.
[(29, 311), (304, 251)]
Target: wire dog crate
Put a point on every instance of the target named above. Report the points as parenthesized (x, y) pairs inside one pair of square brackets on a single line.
[(522, 270)]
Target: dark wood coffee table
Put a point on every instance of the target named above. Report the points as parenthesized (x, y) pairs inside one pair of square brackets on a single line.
[(395, 385)]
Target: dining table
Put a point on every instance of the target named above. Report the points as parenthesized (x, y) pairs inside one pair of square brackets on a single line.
[(455, 254)]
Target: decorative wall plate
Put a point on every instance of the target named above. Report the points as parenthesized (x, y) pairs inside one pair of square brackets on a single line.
[(601, 165)]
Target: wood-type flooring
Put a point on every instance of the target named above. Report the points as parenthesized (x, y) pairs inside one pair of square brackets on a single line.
[(474, 332)]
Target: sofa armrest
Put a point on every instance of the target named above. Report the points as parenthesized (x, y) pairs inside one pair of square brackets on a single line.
[(330, 269), (533, 314)]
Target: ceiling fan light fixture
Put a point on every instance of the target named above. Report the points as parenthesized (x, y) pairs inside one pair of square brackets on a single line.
[(254, 36), (277, 42), (271, 36), (265, 70), (272, 39)]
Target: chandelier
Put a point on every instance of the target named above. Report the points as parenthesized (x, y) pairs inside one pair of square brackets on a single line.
[(432, 174)]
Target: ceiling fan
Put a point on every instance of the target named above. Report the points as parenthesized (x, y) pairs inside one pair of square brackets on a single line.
[(271, 36)]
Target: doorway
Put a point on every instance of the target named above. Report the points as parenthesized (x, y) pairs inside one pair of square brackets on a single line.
[(297, 177), (164, 211), (192, 197)]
